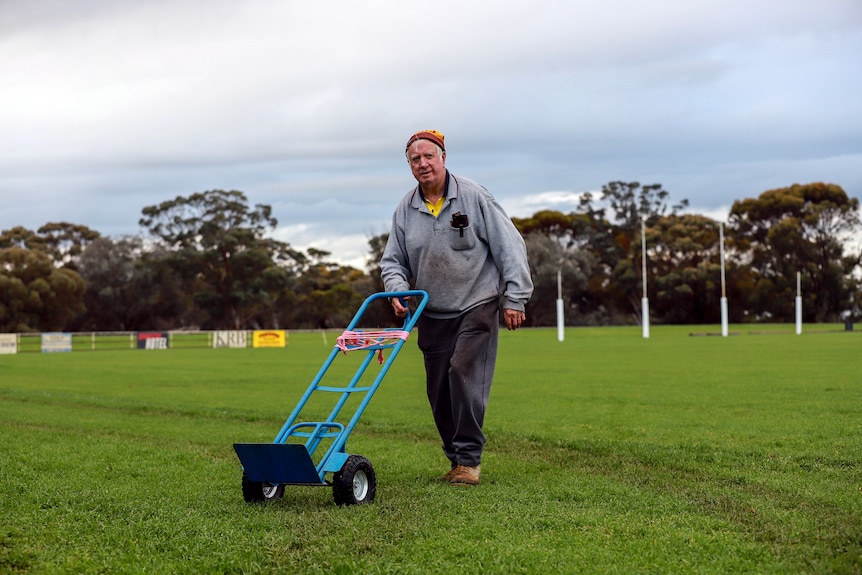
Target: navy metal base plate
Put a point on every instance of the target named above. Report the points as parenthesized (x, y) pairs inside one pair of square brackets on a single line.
[(287, 463)]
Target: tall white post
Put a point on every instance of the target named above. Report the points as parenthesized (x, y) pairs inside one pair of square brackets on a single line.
[(723, 288), (561, 320), (644, 300), (798, 304)]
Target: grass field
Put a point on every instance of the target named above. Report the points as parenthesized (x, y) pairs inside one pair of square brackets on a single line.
[(607, 453)]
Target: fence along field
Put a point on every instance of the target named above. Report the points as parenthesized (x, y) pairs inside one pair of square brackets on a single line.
[(607, 453), (157, 340)]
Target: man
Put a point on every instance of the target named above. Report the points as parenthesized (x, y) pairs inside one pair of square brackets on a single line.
[(452, 239)]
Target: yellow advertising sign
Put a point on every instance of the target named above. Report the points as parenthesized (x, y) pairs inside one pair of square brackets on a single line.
[(269, 338)]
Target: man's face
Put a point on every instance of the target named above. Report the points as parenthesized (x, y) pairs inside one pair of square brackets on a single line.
[(426, 163)]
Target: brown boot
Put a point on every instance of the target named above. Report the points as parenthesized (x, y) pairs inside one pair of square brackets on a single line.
[(447, 477), (464, 475)]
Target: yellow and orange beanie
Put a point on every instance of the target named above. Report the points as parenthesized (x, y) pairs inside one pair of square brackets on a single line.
[(431, 135)]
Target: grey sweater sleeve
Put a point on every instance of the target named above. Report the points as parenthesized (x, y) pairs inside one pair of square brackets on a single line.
[(394, 264), (509, 253)]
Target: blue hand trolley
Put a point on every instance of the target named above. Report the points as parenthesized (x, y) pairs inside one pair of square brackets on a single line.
[(290, 458)]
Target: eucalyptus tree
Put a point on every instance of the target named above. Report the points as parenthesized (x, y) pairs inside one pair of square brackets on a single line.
[(614, 225), (131, 287), (328, 294), (800, 228), (35, 295), (38, 291), (218, 244), (65, 242), (684, 269), (558, 248)]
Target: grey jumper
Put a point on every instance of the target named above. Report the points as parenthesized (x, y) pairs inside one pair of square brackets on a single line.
[(465, 266)]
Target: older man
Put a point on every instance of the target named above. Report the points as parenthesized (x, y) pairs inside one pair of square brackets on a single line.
[(452, 239)]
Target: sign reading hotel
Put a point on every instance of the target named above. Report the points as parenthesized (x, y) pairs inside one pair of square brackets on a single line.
[(269, 338), (152, 340)]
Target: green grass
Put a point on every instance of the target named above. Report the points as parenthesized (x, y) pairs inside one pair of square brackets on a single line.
[(607, 453)]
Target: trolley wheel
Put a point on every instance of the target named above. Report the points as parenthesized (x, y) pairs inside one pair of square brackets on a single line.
[(256, 491), (355, 483)]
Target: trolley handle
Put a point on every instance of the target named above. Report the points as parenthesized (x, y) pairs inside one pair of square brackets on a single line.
[(403, 300), (409, 320)]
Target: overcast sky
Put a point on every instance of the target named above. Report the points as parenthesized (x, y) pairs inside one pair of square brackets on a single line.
[(110, 106)]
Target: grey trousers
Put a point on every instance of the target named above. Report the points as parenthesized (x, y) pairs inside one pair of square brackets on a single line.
[(460, 355)]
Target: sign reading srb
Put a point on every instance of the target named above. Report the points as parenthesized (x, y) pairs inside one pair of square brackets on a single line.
[(152, 340)]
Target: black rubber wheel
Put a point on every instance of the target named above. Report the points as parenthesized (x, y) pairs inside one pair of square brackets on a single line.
[(257, 492), (355, 483)]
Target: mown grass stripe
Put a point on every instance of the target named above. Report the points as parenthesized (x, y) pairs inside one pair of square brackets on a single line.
[(606, 454)]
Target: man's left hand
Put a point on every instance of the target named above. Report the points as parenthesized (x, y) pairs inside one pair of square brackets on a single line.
[(513, 318)]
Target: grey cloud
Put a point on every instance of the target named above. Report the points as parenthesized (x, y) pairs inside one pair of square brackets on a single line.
[(112, 106)]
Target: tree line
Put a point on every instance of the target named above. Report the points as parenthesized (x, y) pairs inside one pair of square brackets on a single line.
[(207, 261)]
